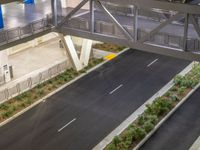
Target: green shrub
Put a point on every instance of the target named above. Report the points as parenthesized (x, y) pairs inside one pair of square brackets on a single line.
[(174, 98), (4, 106), (159, 107), (148, 126), (28, 102), (141, 119), (174, 89), (116, 140), (181, 90), (139, 133), (185, 81), (40, 92), (111, 147)]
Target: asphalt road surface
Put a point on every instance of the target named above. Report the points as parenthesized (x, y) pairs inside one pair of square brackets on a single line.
[(82, 114), (181, 130)]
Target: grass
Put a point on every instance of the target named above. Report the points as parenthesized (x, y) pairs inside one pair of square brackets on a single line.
[(155, 111), (109, 47), (18, 103)]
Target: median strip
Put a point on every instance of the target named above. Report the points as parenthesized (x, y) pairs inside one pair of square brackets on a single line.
[(160, 108)]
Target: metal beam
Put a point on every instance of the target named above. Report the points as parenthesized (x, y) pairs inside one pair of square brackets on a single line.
[(119, 26), (185, 36), (77, 8), (92, 16), (54, 12), (178, 53), (149, 4), (135, 26), (195, 24), (157, 29)]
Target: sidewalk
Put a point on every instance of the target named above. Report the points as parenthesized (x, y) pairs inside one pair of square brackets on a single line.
[(32, 60)]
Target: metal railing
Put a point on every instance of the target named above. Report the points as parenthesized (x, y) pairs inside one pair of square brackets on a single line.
[(32, 81), (2, 80), (161, 38), (13, 34)]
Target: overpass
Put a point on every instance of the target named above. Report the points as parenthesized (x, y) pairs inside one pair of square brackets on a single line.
[(174, 31), (160, 27)]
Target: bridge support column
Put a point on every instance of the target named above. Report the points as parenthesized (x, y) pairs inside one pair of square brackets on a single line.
[(1, 19), (85, 52), (78, 63)]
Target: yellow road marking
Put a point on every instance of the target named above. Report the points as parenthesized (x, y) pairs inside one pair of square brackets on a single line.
[(110, 56)]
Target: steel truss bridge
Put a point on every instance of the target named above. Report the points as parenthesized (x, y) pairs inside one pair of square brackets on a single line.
[(166, 28), (161, 27)]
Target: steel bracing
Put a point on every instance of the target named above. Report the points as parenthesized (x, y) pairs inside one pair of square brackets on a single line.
[(178, 34)]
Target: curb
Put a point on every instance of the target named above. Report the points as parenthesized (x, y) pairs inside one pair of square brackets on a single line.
[(108, 139), (196, 144), (55, 91), (166, 117)]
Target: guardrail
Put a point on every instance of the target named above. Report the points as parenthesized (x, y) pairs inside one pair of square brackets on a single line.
[(13, 34), (32, 81), (108, 28), (2, 80)]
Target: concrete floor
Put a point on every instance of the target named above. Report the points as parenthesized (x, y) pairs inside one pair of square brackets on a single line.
[(37, 57), (33, 59), (18, 14)]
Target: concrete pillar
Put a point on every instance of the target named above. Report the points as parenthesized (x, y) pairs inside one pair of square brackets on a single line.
[(28, 1), (78, 63), (4, 66), (86, 51), (1, 18), (71, 52)]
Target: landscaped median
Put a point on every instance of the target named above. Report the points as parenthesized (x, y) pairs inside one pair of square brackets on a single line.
[(109, 47), (26, 99), (155, 112)]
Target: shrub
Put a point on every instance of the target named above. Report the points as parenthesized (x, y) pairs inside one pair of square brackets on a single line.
[(148, 126), (116, 140), (185, 81), (111, 147), (139, 133), (28, 101), (181, 90), (141, 119), (40, 92), (4, 106)]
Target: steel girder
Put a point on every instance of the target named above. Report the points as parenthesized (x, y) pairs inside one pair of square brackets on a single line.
[(132, 41)]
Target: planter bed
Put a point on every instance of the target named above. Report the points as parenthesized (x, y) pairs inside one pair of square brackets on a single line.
[(109, 47), (19, 103), (156, 111)]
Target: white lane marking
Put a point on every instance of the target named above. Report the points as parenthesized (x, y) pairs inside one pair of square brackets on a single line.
[(117, 88), (67, 125), (152, 62)]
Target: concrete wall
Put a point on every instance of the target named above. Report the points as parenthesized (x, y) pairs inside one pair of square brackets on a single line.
[(32, 43)]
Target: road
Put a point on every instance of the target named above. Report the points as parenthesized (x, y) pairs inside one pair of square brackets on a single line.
[(82, 114), (181, 130)]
